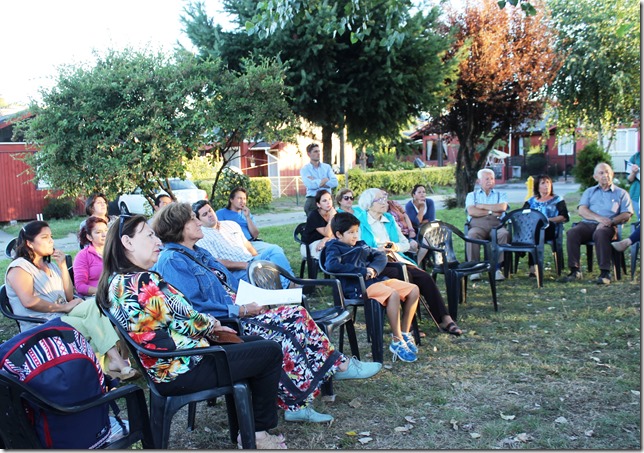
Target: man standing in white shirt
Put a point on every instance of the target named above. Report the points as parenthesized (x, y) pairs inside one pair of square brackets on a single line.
[(226, 242), (316, 175)]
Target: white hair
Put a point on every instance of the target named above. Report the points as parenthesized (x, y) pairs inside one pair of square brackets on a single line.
[(366, 198), (482, 171)]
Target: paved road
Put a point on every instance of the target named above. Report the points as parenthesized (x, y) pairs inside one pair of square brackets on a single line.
[(516, 196)]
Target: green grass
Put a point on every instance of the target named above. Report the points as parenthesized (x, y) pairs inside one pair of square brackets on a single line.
[(565, 350)]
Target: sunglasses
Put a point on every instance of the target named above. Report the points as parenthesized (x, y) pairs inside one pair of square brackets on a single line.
[(347, 197), (122, 219)]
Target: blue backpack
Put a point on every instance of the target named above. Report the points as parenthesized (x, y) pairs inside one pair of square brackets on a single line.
[(57, 361)]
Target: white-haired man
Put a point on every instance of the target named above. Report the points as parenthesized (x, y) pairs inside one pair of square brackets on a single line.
[(485, 209)]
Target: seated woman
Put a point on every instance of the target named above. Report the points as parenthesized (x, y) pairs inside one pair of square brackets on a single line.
[(158, 316), (420, 209), (88, 264), (40, 289), (96, 205), (378, 229), (309, 357), (345, 198), (318, 227), (406, 228), (551, 205)]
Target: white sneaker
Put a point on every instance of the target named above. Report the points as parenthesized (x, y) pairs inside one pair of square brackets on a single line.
[(499, 275), (475, 277)]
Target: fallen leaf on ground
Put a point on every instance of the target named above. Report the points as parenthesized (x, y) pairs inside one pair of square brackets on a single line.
[(513, 392), (355, 403), (387, 367), (561, 420), (410, 419), (475, 435), (454, 424), (365, 433), (507, 417), (365, 440), (589, 433), (524, 437), (596, 359), (206, 429), (635, 392), (351, 433)]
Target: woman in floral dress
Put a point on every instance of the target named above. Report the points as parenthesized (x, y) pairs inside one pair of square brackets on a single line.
[(309, 356)]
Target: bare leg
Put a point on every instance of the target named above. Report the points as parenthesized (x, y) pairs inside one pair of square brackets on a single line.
[(409, 309), (393, 314)]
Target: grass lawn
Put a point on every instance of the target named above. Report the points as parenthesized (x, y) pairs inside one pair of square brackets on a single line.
[(556, 367)]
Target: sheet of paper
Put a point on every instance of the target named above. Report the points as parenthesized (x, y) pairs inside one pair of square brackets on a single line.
[(247, 293), (628, 169)]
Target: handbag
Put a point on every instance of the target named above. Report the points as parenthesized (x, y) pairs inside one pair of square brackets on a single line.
[(224, 337)]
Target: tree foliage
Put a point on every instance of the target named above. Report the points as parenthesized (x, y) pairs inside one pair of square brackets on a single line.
[(372, 83), (135, 117), (507, 60), (587, 160), (599, 82)]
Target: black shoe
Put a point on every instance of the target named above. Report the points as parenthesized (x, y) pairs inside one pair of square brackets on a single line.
[(604, 278), (574, 275)]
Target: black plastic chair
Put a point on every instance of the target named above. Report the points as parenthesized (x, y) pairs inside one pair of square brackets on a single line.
[(162, 408), (10, 246), (374, 312), (266, 275), (308, 262), (527, 235), (441, 259), (618, 259), (556, 244), (635, 250), (7, 310), (16, 431)]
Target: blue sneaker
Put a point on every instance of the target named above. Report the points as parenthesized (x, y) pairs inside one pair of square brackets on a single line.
[(358, 370), (411, 343), (402, 352), (307, 414)]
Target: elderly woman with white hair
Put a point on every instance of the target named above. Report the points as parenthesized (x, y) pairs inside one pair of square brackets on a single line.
[(379, 229)]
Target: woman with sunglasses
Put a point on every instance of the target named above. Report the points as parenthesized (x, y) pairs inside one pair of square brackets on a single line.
[(345, 198), (38, 288), (379, 230), (309, 356), (158, 316)]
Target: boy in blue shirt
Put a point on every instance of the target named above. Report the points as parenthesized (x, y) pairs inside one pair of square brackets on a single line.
[(347, 254)]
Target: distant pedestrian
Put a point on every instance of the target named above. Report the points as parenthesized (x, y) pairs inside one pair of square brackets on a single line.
[(316, 175)]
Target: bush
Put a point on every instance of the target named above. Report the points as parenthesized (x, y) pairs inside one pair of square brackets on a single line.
[(587, 159), (59, 208), (536, 164), (397, 182), (259, 189)]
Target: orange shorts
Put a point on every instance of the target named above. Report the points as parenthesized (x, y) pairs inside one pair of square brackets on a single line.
[(381, 291)]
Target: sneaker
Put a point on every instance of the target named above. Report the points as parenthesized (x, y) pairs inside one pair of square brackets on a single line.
[(402, 352), (499, 275), (622, 245), (358, 370), (307, 414), (475, 277), (604, 278), (411, 343), (574, 275)]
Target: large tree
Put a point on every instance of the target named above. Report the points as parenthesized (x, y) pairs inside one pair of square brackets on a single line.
[(130, 119), (599, 82), (507, 60), (371, 82)]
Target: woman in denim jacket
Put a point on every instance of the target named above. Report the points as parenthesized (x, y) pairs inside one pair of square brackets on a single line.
[(309, 356)]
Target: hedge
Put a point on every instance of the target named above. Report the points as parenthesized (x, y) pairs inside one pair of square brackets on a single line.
[(259, 192), (397, 182)]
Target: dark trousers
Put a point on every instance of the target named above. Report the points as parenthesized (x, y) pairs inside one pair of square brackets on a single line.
[(427, 287), (584, 232), (257, 360), (635, 235), (309, 205)]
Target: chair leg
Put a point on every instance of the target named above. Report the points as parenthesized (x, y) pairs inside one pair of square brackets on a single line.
[(635, 248), (374, 320), (243, 407), (589, 257), (192, 412), (452, 281), (493, 288), (160, 420), (353, 340)]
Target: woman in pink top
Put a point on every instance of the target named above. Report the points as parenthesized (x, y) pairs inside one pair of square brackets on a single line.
[(88, 264)]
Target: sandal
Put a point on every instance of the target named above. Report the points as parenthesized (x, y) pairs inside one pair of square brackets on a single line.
[(270, 442), (126, 374), (451, 329)]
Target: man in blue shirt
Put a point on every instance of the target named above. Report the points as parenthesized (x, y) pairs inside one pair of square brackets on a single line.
[(603, 207), (238, 212), (316, 175)]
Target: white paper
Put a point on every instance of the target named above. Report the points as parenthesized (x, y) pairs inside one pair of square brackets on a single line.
[(247, 293), (628, 169)]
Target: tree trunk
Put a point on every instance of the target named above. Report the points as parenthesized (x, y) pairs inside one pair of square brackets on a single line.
[(327, 144)]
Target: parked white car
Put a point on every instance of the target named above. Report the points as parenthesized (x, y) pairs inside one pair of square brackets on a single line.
[(183, 189)]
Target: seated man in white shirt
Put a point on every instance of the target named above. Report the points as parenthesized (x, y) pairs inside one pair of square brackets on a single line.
[(238, 212), (226, 242)]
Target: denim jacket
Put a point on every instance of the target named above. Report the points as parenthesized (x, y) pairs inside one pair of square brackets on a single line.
[(342, 258), (200, 286)]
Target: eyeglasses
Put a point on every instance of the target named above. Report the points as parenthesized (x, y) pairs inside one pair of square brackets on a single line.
[(382, 199), (347, 197), (122, 219)]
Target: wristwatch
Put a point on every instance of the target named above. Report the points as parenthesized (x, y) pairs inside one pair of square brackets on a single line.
[(489, 212)]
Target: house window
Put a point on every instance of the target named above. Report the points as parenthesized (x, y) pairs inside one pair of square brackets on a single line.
[(524, 143), (566, 145), (625, 142)]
